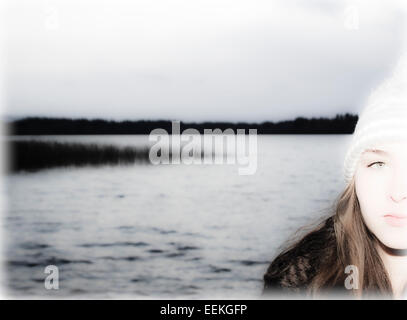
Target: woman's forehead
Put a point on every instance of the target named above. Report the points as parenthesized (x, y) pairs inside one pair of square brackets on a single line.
[(399, 147)]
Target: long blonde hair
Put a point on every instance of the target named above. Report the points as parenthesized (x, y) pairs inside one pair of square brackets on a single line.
[(356, 246)]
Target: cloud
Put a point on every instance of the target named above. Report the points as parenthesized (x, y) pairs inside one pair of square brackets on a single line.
[(195, 60)]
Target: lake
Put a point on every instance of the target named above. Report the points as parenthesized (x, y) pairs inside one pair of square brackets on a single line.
[(165, 231)]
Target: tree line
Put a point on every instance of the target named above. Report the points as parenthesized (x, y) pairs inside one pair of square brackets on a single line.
[(340, 124)]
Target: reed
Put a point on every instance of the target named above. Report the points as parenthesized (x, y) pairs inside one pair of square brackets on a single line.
[(33, 155)]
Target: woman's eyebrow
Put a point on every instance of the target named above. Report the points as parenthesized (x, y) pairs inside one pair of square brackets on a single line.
[(376, 151)]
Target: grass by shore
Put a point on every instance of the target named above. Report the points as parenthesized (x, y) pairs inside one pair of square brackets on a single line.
[(35, 155)]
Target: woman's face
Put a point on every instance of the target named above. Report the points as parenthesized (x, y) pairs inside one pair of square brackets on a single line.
[(381, 187)]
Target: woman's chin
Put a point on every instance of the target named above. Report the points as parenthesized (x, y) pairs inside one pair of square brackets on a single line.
[(395, 246)]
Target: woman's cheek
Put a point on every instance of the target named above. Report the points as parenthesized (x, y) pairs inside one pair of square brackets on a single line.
[(370, 192)]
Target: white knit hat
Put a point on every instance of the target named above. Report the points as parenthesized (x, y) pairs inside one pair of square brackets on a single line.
[(383, 119)]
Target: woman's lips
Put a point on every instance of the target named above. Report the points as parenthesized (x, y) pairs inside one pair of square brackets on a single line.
[(396, 220)]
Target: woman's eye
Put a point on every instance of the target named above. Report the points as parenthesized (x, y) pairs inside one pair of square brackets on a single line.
[(376, 165)]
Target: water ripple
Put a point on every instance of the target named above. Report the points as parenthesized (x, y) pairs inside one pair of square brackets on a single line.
[(114, 244), (46, 262), (129, 258)]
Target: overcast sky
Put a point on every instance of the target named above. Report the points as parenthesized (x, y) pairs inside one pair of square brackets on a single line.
[(197, 60)]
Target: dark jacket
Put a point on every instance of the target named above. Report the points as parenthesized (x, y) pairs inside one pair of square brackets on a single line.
[(293, 270)]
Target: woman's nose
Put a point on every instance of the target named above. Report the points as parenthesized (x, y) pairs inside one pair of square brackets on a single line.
[(398, 198), (399, 189)]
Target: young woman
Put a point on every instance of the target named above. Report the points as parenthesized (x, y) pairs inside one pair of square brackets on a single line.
[(361, 249)]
